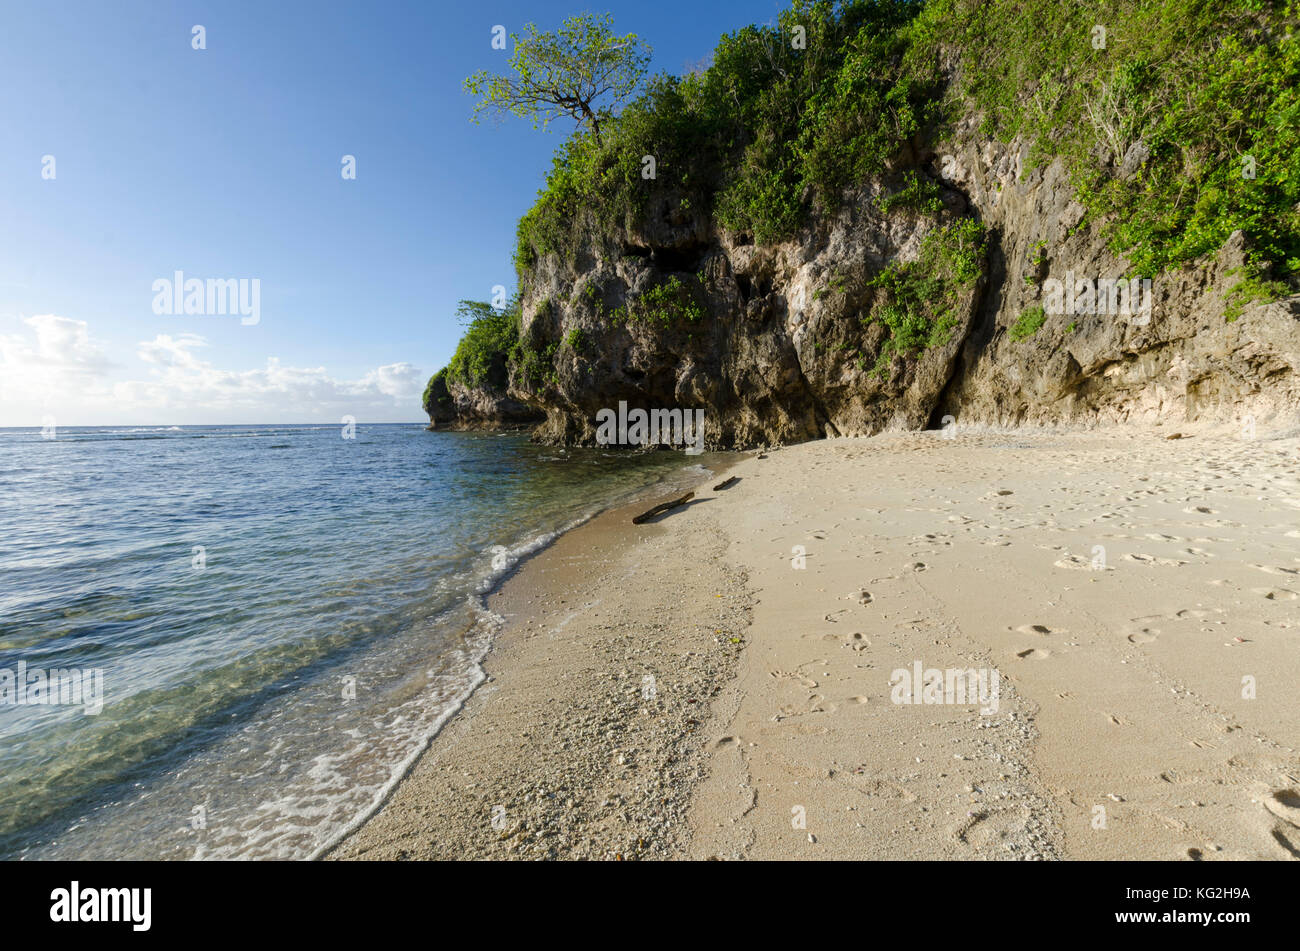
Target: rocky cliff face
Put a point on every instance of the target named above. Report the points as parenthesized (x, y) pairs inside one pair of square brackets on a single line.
[(1192, 357), (454, 405), (777, 352), (883, 316)]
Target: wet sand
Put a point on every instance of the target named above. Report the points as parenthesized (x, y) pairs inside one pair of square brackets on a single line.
[(586, 740)]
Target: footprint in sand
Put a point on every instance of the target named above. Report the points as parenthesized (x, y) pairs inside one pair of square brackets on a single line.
[(1082, 564), (990, 496), (1153, 560), (1276, 594), (1144, 636), (933, 538), (858, 641), (813, 705), (1037, 653), (1040, 629), (1285, 836), (1199, 510), (1277, 570), (1284, 826), (807, 682), (987, 828), (919, 566), (1285, 804)]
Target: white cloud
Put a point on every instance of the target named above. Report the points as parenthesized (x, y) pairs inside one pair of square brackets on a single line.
[(59, 368), (398, 380), (55, 352), (63, 343), (41, 367), (179, 378), (164, 349)]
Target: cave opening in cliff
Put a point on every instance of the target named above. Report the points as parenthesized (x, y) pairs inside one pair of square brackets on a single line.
[(684, 260)]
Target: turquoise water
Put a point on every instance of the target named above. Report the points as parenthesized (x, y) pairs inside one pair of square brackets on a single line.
[(261, 695)]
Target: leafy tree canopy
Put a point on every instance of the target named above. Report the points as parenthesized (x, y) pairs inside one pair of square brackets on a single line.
[(581, 70), (489, 335)]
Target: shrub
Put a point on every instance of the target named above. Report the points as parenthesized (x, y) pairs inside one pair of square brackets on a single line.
[(1209, 88), (430, 388), (920, 298), (917, 193), (577, 340), (665, 304), (1029, 323), (489, 337)]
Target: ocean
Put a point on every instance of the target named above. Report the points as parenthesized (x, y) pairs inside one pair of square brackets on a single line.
[(281, 619)]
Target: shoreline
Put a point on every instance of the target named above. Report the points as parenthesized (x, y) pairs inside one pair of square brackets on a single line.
[(1122, 583), (549, 604)]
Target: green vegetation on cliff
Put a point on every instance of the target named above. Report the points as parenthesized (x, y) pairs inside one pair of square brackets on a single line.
[(818, 103), (482, 356), (1028, 323), (921, 298), (435, 392), (489, 336), (664, 304), (1178, 121)]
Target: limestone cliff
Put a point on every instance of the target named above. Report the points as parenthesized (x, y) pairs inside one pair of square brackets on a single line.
[(781, 343), (454, 405), (922, 293)]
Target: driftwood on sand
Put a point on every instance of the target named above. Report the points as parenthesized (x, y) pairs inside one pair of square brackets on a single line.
[(663, 507), (726, 482)]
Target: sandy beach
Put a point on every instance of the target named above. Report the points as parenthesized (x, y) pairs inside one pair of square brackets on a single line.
[(725, 681)]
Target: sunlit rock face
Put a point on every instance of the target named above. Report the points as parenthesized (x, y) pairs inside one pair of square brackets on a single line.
[(788, 342)]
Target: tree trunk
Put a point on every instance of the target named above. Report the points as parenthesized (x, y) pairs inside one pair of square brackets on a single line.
[(595, 123)]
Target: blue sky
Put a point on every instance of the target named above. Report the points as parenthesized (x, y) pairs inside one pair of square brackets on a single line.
[(225, 163)]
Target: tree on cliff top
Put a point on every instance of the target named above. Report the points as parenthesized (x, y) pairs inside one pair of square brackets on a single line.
[(489, 335), (582, 70)]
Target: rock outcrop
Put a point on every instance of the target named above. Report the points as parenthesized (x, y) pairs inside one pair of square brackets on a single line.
[(454, 405), (794, 341), (1192, 358)]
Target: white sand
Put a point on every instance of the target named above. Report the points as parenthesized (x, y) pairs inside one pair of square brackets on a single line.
[(1126, 588), (1122, 684)]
